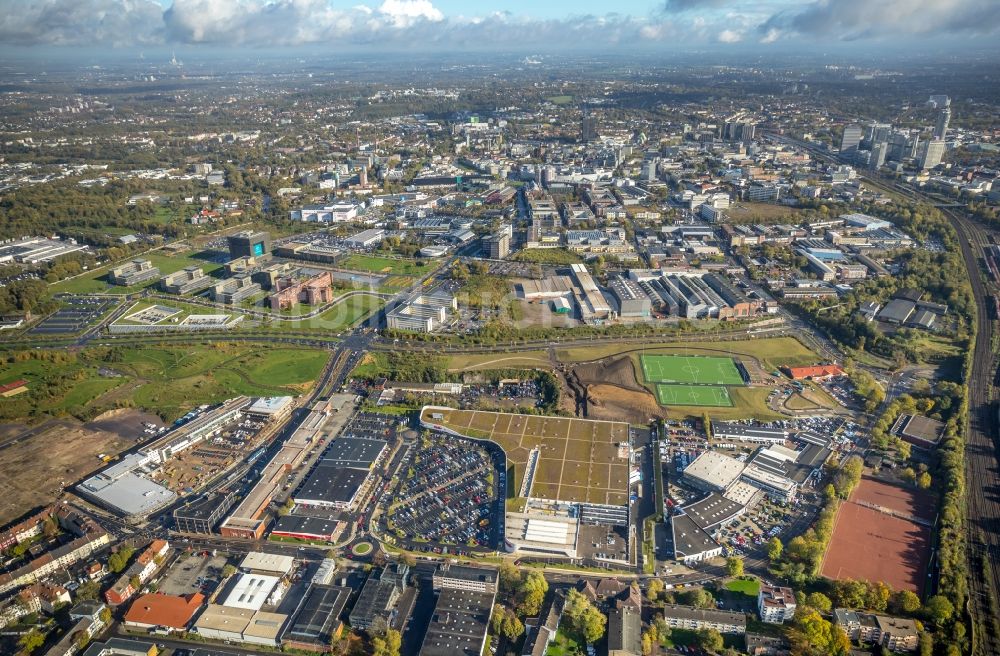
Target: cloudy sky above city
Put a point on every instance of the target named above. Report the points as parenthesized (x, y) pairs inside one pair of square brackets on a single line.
[(458, 24)]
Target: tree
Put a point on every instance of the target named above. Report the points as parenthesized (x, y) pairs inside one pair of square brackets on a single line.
[(819, 601), (698, 597), (653, 590), (387, 645), (710, 640), (811, 634), (734, 566), (105, 616), (877, 596), (31, 641), (926, 644), (510, 577), (647, 644), (938, 609), (88, 590), (774, 549), (905, 601), (588, 622), (532, 593), (592, 625), (924, 481), (512, 628), (496, 620), (228, 570)]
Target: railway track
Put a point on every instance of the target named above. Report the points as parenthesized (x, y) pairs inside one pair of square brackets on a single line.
[(982, 443), (982, 466)]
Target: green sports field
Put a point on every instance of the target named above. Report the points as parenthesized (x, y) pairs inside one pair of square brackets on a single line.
[(714, 396), (690, 370)]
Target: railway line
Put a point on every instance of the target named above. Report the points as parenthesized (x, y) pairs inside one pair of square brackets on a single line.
[(982, 443)]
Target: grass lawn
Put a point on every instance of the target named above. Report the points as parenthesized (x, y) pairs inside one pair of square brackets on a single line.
[(392, 266), (701, 395), (283, 366), (519, 360), (748, 587), (81, 394), (560, 100), (772, 351), (548, 256), (747, 402), (94, 282), (564, 645), (175, 379), (349, 311)]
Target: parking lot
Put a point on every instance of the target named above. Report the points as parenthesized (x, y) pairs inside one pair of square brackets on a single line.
[(193, 572), (447, 495), (79, 313), (373, 426)]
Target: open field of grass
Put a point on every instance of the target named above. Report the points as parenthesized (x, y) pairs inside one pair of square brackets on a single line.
[(350, 311), (700, 395), (94, 282), (577, 458), (694, 370), (519, 360), (560, 100), (553, 256), (749, 587), (391, 266), (168, 380), (772, 352)]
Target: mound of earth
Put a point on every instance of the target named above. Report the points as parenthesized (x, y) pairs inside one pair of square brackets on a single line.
[(614, 403), (617, 371)]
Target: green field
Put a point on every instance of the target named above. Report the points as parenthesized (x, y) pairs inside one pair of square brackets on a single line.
[(701, 395), (770, 352), (692, 370), (349, 311), (749, 587), (391, 266)]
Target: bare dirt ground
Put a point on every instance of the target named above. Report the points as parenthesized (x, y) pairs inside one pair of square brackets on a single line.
[(34, 471), (127, 424), (618, 371), (615, 403)]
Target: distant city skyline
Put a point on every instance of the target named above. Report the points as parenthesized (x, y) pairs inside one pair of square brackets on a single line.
[(430, 25)]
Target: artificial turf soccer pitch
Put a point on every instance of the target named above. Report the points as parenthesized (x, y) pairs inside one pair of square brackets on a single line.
[(714, 396), (690, 370)]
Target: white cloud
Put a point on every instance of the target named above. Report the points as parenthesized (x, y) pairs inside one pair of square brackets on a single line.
[(730, 36), (403, 13)]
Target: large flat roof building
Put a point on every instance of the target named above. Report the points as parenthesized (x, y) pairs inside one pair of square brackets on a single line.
[(316, 620), (459, 623), (713, 471), (330, 486)]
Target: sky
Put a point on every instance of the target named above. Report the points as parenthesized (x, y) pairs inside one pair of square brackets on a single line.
[(543, 25)]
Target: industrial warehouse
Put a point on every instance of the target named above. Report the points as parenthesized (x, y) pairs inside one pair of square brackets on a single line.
[(733, 486)]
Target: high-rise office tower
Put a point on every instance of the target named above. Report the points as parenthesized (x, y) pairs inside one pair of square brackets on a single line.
[(878, 132), (588, 128), (852, 137), (933, 153), (941, 128), (877, 158)]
